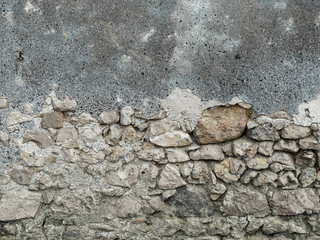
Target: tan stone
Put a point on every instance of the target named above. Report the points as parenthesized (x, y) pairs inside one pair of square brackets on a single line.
[(168, 134), (52, 120), (19, 205), (221, 124), (229, 170), (4, 103), (63, 106), (170, 177), (41, 138), (17, 118)]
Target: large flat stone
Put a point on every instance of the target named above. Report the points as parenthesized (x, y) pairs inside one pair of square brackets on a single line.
[(245, 201), (19, 205), (221, 124)]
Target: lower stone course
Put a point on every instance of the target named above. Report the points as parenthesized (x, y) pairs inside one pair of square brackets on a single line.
[(126, 176)]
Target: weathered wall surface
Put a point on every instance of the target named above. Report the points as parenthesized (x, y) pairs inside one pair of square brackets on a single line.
[(234, 175), (155, 142), (117, 53)]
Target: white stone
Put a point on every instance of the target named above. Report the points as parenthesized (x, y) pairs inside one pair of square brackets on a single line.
[(19, 205), (293, 131), (257, 163), (109, 117), (16, 118), (125, 115), (244, 147), (64, 106), (177, 155), (170, 177), (124, 177), (82, 119), (208, 152)]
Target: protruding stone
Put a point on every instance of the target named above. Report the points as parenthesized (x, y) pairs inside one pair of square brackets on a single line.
[(248, 176), (264, 178), (219, 226), (281, 114), (244, 147), (168, 134), (264, 132), (4, 103), (287, 146), (282, 158), (170, 177), (244, 201), (288, 180), (309, 143), (307, 176), (166, 227), (124, 177), (67, 136), (294, 202), (273, 225), (208, 152), (16, 118), (19, 205), (257, 163), (200, 173), (125, 116), (151, 153), (229, 170), (293, 131), (65, 105), (177, 155), (266, 148), (114, 134), (109, 117), (221, 124), (193, 227), (40, 137), (306, 158), (52, 120), (216, 190)]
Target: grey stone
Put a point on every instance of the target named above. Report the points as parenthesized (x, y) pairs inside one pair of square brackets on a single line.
[(193, 227), (307, 176), (166, 227), (248, 176), (281, 114), (170, 177), (219, 226), (264, 132), (21, 174), (109, 117), (128, 206), (266, 148), (294, 202), (40, 137), (229, 170), (293, 131), (168, 134), (186, 168), (282, 158), (254, 224), (216, 190), (314, 221), (306, 158), (101, 227), (114, 134), (244, 147), (273, 225), (287, 146), (125, 116), (52, 120), (14, 118), (190, 202), (287, 178), (264, 178), (221, 124), (168, 193), (65, 105), (67, 136), (309, 143), (19, 205), (124, 177), (257, 163), (207, 152), (200, 173), (177, 155), (243, 201)]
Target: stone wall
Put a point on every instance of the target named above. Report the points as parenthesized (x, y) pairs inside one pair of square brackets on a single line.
[(233, 175)]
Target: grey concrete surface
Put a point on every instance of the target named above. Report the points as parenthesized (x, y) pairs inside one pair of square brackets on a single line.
[(108, 54)]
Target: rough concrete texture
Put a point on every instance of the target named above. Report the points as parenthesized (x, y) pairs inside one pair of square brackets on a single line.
[(110, 54)]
